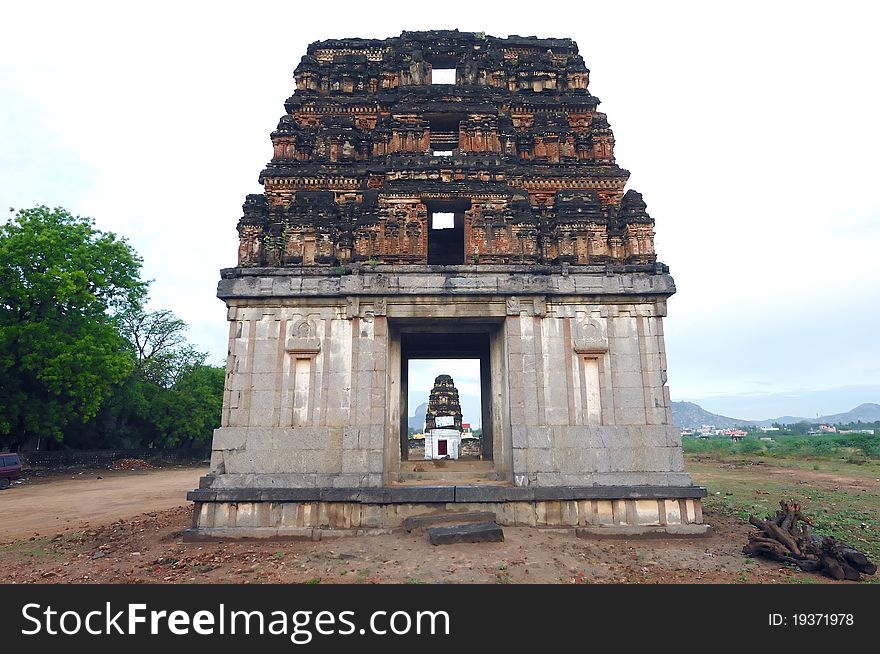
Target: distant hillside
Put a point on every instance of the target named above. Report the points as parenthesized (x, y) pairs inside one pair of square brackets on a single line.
[(417, 420), (687, 415), (868, 412)]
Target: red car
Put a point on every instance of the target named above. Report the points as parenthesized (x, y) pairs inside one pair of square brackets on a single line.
[(10, 468)]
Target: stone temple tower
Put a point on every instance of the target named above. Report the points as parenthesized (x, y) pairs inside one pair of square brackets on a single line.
[(445, 195), (443, 402)]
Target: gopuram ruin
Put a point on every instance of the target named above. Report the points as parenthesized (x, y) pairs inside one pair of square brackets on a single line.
[(443, 402), (450, 195)]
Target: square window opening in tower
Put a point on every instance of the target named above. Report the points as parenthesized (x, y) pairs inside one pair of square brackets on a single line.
[(443, 76), (446, 238)]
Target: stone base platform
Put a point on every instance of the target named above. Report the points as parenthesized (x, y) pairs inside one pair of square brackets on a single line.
[(315, 513)]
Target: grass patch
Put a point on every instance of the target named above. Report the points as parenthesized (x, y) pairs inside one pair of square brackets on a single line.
[(858, 448), (847, 514), (36, 550)]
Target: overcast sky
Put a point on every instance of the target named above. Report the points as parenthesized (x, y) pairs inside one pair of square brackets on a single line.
[(751, 129)]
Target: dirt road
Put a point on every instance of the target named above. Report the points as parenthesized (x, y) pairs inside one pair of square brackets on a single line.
[(68, 504)]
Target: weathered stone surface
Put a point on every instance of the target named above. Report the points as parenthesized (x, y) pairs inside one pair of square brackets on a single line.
[(481, 532), (432, 519)]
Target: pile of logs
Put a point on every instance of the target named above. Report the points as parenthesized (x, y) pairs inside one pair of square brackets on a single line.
[(781, 538)]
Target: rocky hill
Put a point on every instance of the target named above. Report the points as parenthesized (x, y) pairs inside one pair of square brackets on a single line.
[(687, 415)]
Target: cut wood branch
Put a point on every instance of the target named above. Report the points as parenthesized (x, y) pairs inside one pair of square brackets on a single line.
[(787, 537)]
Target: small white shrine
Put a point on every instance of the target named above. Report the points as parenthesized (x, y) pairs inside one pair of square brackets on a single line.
[(442, 444)]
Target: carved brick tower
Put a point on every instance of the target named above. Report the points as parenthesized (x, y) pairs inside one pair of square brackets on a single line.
[(443, 402), (482, 218)]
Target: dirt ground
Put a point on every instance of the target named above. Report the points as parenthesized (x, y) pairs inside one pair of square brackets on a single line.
[(61, 503), (85, 530)]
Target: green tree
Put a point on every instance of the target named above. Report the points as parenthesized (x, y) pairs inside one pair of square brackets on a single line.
[(189, 411), (171, 398), (160, 346), (61, 282)]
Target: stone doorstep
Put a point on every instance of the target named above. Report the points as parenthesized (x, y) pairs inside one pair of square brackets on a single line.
[(480, 532), (427, 520)]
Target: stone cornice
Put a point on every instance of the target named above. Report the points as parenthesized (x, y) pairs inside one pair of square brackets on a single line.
[(485, 280)]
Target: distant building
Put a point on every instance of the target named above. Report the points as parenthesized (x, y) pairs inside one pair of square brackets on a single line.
[(736, 435), (828, 429), (769, 428)]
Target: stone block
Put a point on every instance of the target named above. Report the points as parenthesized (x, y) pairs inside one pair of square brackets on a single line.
[(630, 398), (629, 415), (603, 512), (229, 438), (423, 494), (572, 437), (525, 514), (556, 415), (221, 515), (540, 460), (350, 438), (672, 512), (621, 379), (539, 437), (371, 515), (505, 513), (246, 515), (519, 436), (647, 512), (575, 460), (585, 512), (485, 532), (520, 461), (568, 512), (355, 461), (548, 479), (424, 521), (373, 438), (337, 417), (623, 327), (486, 493)]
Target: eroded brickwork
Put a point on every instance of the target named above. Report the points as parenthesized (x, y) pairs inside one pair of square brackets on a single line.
[(525, 157), (443, 402)]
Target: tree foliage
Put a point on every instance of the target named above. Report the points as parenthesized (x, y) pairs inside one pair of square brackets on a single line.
[(61, 355), (161, 350), (172, 397), (81, 360)]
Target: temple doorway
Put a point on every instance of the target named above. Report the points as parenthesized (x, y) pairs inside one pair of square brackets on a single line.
[(445, 410), (445, 396)]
